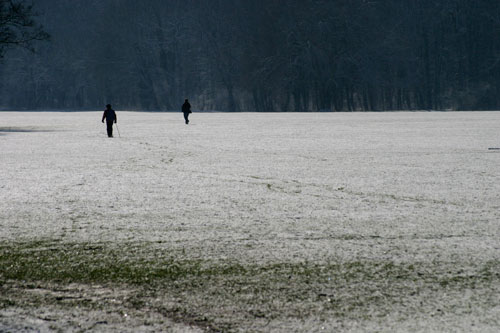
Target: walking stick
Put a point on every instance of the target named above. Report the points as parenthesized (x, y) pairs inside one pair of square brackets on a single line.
[(118, 130)]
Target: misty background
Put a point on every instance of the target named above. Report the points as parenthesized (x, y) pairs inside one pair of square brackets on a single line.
[(259, 55)]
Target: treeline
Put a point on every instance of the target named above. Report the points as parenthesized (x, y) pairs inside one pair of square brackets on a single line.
[(260, 55)]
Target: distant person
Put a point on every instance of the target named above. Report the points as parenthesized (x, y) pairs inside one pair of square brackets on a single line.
[(186, 109), (110, 116)]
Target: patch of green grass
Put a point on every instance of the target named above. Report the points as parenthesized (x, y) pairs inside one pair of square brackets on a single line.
[(41, 261), (99, 263), (226, 292)]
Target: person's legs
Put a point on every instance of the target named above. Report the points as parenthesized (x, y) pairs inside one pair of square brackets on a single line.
[(186, 115), (110, 129)]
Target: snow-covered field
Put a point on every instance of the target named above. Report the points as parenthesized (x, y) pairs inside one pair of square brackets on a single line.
[(415, 190)]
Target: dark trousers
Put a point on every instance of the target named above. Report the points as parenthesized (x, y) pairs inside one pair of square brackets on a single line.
[(110, 128), (186, 116)]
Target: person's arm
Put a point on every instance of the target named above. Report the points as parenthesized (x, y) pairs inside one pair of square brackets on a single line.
[(103, 116), (116, 118)]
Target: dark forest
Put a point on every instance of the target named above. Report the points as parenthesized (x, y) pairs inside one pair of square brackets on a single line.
[(259, 55)]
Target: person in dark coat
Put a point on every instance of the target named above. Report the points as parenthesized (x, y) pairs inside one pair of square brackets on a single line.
[(110, 116), (186, 109)]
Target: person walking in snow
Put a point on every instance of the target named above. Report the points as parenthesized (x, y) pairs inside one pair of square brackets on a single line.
[(110, 116), (186, 109)]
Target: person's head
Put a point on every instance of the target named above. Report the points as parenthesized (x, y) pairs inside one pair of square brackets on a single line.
[(186, 100), (108, 106)]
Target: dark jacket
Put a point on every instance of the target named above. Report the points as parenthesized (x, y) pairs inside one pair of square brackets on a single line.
[(186, 107), (109, 115)]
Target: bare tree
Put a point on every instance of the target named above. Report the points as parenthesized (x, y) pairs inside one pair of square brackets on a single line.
[(17, 26)]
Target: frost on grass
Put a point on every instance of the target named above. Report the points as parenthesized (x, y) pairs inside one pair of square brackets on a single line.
[(251, 222), (226, 296)]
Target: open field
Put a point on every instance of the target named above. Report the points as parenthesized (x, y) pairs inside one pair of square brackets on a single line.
[(250, 222)]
